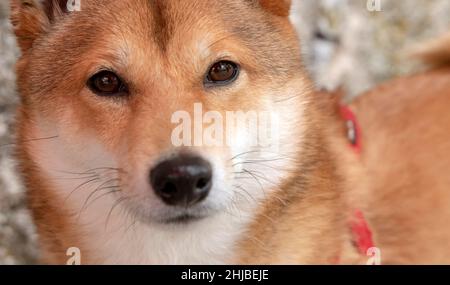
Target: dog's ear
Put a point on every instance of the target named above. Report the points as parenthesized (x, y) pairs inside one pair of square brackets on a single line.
[(277, 7), (32, 18)]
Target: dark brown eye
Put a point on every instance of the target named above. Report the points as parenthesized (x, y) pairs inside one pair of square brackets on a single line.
[(107, 83), (222, 73)]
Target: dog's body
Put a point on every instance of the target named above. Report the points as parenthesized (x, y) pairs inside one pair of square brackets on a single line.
[(85, 158), (405, 137)]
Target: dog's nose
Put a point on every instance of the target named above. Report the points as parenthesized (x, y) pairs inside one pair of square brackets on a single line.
[(184, 180)]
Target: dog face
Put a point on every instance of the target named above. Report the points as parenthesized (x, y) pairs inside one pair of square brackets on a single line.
[(104, 91)]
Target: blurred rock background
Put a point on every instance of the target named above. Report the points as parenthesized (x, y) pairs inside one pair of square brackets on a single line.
[(16, 230), (350, 43), (345, 42)]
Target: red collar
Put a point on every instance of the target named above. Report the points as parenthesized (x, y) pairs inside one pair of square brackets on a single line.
[(353, 128), (361, 233)]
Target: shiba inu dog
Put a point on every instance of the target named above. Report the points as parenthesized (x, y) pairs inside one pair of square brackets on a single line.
[(99, 87)]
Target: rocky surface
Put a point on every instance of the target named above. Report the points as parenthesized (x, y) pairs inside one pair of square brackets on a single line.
[(16, 230), (345, 44), (348, 44)]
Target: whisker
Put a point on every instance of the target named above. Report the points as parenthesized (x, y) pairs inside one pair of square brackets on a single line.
[(243, 196), (93, 171), (272, 194), (257, 180), (81, 186), (244, 153), (84, 207), (258, 161), (281, 200), (76, 173), (76, 178), (119, 170), (29, 141), (101, 187), (114, 189), (117, 203), (278, 154), (258, 174), (264, 165), (248, 194), (229, 211), (133, 222)]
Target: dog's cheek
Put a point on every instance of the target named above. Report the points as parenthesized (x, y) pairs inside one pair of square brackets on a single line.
[(262, 169), (68, 151)]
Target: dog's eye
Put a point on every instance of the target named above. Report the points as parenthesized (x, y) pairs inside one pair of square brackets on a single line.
[(107, 83), (222, 73)]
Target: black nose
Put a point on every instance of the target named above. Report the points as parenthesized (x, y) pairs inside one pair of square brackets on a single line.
[(184, 180)]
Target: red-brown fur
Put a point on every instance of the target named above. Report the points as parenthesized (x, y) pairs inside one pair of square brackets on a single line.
[(405, 153)]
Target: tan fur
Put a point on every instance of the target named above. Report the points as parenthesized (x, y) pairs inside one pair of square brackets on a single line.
[(405, 154), (405, 151), (157, 45), (280, 8)]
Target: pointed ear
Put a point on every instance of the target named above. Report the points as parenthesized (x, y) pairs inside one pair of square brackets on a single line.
[(32, 18), (278, 7)]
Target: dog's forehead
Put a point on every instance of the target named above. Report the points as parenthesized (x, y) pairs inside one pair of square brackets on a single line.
[(163, 19), (167, 18), (166, 14)]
